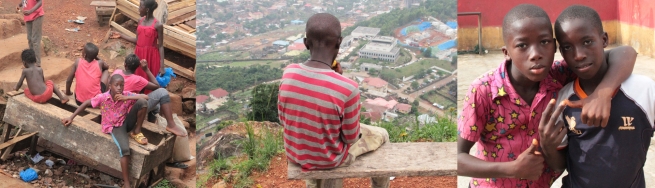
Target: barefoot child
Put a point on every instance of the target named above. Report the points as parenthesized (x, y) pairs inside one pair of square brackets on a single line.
[(123, 113), (149, 40), (502, 109), (157, 99), (38, 90), (614, 155), (90, 73)]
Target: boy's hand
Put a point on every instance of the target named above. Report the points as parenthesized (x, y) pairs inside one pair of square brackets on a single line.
[(144, 64), (67, 121), (27, 13), (595, 109), (161, 71), (338, 68), (530, 164), (120, 97), (551, 132)]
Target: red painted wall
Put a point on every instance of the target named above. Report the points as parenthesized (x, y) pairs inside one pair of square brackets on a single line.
[(493, 11), (636, 12)]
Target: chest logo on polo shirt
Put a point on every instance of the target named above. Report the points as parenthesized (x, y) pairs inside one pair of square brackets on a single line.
[(571, 121), (627, 123)]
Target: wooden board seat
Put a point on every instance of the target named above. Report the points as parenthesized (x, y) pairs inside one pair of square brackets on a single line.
[(392, 159)]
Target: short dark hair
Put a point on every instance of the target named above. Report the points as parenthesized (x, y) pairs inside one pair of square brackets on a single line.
[(520, 12), (28, 56), (323, 28), (115, 77), (91, 50), (132, 62), (580, 12)]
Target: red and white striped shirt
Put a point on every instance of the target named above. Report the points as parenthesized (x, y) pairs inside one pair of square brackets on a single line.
[(319, 110)]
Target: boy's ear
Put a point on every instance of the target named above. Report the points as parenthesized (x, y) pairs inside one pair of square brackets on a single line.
[(605, 40), (506, 53), (307, 43)]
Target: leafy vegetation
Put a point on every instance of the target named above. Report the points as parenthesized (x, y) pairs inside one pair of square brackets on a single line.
[(440, 9), (264, 103), (258, 150), (234, 78)]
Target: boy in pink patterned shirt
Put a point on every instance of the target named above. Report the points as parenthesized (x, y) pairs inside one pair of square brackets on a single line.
[(122, 112), (502, 109)]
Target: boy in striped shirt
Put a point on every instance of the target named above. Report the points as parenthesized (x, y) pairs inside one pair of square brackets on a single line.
[(319, 108)]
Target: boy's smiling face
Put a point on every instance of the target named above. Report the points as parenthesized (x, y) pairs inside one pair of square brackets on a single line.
[(582, 46), (530, 47)]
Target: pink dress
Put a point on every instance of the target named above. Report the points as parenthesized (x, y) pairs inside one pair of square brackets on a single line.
[(146, 48)]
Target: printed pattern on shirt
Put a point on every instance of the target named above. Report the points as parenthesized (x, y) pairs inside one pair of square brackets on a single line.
[(113, 112), (503, 124)]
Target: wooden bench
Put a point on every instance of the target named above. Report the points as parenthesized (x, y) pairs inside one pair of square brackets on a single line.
[(392, 159), (84, 142), (104, 10)]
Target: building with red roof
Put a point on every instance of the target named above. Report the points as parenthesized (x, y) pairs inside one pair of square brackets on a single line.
[(375, 83)]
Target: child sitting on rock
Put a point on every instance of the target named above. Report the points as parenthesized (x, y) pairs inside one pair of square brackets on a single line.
[(38, 89)]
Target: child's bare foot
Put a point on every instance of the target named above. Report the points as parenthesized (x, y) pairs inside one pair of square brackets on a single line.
[(64, 99), (177, 130)]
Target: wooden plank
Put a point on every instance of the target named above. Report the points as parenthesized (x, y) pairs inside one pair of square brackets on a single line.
[(103, 3), (15, 140), (186, 28), (183, 18), (181, 71), (183, 11), (179, 34), (121, 29), (85, 136), (191, 23), (6, 153), (392, 159)]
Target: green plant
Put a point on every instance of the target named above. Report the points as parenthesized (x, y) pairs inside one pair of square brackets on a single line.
[(164, 184)]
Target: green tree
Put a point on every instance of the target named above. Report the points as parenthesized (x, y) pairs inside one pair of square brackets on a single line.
[(264, 103), (415, 105), (227, 48), (428, 52), (414, 85)]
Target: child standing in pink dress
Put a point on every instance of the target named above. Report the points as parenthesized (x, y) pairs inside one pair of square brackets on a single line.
[(149, 40)]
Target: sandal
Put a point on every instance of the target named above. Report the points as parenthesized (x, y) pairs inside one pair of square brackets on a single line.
[(139, 138)]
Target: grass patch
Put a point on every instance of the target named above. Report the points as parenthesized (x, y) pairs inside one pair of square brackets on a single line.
[(254, 62), (222, 55), (414, 68), (258, 151), (164, 184), (444, 130)]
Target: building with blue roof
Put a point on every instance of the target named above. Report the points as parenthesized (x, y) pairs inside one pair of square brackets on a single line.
[(281, 43)]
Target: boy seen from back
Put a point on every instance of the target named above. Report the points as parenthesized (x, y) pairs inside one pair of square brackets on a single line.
[(612, 155), (503, 107), (38, 89), (319, 108)]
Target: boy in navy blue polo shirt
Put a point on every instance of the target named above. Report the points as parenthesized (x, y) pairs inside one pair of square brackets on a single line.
[(610, 156)]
